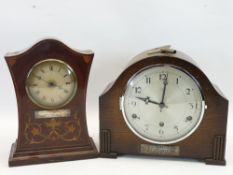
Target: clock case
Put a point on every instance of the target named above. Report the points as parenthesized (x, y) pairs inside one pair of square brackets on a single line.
[(207, 143), (47, 140)]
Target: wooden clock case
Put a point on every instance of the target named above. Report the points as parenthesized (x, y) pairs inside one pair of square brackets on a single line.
[(50, 139), (207, 143)]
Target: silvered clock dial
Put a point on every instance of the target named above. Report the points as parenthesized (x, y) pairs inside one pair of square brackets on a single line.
[(51, 83), (162, 104)]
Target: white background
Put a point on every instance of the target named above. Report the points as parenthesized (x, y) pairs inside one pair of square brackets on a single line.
[(117, 30)]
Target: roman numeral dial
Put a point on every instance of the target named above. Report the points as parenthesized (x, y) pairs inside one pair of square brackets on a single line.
[(167, 99), (51, 84)]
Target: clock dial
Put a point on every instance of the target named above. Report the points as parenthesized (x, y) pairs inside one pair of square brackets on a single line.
[(162, 104), (51, 83)]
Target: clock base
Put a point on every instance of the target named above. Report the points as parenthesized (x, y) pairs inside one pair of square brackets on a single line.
[(18, 158)]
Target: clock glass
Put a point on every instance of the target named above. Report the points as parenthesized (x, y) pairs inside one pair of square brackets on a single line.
[(51, 83), (162, 104)]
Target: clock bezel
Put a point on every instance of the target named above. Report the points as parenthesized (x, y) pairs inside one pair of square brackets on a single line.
[(65, 65), (183, 137)]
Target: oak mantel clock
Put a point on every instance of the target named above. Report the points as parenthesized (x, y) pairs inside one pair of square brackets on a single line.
[(50, 82), (164, 105)]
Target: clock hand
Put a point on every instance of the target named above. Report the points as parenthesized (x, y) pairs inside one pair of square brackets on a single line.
[(162, 104), (164, 90), (40, 78), (154, 102), (147, 100), (143, 99), (49, 83)]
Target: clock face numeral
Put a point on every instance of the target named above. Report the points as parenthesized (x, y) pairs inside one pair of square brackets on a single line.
[(163, 76), (189, 118), (51, 67), (161, 132), (34, 84), (133, 103), (148, 80), (49, 78), (188, 91), (138, 90), (167, 105), (134, 116), (176, 128), (161, 124), (191, 105), (177, 80), (38, 77)]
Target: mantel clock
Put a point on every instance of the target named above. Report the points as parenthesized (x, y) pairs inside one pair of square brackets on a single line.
[(50, 81), (163, 105)]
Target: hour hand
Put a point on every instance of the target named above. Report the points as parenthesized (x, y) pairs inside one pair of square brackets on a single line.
[(147, 100), (154, 102)]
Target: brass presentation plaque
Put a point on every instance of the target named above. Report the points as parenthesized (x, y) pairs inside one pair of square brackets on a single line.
[(52, 113), (160, 150)]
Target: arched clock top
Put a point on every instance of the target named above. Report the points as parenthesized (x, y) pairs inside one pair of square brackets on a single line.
[(47, 42), (47, 48), (166, 55)]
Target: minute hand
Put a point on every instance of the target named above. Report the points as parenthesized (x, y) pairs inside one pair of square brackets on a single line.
[(164, 90)]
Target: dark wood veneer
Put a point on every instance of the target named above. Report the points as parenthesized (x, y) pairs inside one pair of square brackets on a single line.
[(207, 143), (74, 145)]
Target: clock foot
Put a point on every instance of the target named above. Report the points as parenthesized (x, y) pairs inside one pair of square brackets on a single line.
[(215, 162), (108, 155), (105, 144), (218, 151), (18, 158)]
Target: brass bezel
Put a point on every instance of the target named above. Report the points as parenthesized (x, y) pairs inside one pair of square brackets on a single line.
[(65, 65)]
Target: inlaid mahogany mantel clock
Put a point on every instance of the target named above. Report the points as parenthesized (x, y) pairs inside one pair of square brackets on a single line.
[(50, 82), (164, 105)]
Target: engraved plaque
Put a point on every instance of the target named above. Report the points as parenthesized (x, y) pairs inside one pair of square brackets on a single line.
[(160, 150), (52, 113)]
